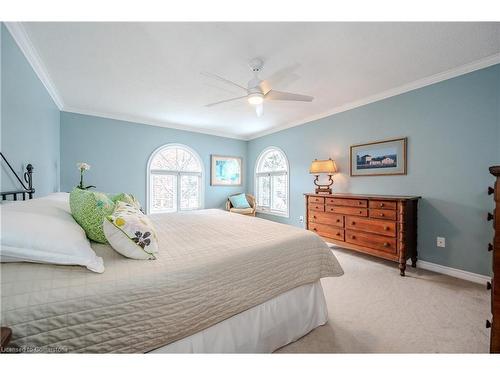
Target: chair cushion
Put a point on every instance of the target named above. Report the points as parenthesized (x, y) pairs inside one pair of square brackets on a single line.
[(239, 201), (245, 211)]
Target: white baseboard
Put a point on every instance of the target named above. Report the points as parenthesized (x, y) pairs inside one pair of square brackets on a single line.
[(454, 272)]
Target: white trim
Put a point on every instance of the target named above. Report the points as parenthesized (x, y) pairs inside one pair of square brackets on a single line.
[(148, 174), (454, 272), (145, 121), (439, 77), (21, 37), (255, 183), (438, 268), (18, 32)]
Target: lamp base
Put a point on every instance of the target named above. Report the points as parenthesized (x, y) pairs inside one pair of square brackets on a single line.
[(323, 189)]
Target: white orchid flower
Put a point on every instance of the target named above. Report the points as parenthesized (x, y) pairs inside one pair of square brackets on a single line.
[(83, 166)]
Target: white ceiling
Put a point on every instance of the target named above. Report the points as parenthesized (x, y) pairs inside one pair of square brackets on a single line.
[(150, 72)]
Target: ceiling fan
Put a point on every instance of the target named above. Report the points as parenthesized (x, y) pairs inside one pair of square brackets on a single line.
[(257, 90)]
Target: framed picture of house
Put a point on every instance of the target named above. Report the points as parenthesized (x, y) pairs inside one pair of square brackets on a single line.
[(225, 170), (380, 158)]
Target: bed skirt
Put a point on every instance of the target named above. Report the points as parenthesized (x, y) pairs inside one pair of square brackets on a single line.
[(263, 328)]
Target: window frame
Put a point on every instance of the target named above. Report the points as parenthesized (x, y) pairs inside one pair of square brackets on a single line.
[(150, 172), (257, 174)]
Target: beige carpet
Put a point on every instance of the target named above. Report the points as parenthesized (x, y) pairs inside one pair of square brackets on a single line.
[(374, 310)]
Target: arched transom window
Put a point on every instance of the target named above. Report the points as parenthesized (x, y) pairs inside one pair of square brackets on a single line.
[(175, 178), (271, 182)]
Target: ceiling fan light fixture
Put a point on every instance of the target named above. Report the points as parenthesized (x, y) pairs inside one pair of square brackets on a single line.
[(255, 98)]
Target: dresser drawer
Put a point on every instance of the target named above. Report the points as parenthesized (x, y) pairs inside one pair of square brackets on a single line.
[(383, 214), (385, 228), (386, 205), (326, 218), (316, 207), (373, 241), (316, 200), (327, 231), (347, 202), (347, 210)]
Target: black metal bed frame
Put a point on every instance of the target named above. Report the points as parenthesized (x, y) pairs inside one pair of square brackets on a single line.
[(26, 190)]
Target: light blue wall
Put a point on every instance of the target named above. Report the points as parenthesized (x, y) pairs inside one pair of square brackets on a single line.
[(29, 122), (118, 152), (453, 129), (453, 137)]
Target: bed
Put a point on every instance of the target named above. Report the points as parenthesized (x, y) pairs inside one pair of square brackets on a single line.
[(223, 282)]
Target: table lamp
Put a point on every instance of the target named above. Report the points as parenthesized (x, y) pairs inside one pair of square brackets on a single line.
[(323, 166)]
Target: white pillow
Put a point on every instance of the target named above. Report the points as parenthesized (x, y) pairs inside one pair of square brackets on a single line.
[(130, 232), (42, 230)]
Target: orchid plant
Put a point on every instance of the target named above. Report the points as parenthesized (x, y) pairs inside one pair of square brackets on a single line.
[(83, 167)]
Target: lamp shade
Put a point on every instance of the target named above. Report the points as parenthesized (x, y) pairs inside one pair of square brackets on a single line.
[(323, 166)]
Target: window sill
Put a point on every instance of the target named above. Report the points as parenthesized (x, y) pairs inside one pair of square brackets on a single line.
[(273, 213)]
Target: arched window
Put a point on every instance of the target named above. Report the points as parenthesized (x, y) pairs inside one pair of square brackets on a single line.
[(175, 179), (271, 182)]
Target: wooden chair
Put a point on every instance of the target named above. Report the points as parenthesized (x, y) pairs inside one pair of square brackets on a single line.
[(243, 211)]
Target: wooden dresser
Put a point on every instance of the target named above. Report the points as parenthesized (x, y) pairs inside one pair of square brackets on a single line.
[(494, 247), (380, 225)]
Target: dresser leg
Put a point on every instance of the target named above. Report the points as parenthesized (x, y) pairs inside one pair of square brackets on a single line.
[(402, 268), (414, 261)]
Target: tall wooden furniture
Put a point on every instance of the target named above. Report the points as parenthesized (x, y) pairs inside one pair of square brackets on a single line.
[(495, 249), (381, 225)]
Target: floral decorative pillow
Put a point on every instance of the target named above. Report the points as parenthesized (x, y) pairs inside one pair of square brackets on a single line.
[(89, 208), (130, 232)]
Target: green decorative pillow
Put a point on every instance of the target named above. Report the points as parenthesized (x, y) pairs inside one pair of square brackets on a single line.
[(89, 208), (127, 198)]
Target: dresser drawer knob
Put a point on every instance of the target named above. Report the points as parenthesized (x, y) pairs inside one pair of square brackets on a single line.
[(490, 216), (338, 220), (360, 203), (386, 228), (314, 217), (381, 205), (488, 324), (490, 247), (353, 237), (353, 223), (490, 190), (386, 244), (338, 234), (381, 214), (360, 212), (315, 229), (488, 285)]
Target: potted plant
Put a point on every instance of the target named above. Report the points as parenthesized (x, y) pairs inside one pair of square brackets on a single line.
[(83, 167)]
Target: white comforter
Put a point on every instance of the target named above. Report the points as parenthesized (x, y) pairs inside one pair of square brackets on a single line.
[(212, 265)]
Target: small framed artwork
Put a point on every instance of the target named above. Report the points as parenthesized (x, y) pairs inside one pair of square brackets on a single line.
[(381, 158), (225, 170)]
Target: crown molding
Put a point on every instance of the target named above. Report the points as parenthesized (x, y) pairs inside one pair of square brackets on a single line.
[(18, 32), (21, 37), (144, 121), (439, 77)]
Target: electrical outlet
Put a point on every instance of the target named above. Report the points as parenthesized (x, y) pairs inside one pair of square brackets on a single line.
[(441, 242), (301, 219)]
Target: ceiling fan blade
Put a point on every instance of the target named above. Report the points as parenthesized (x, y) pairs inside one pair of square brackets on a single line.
[(281, 95), (259, 109), (265, 86), (225, 101), (215, 76)]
